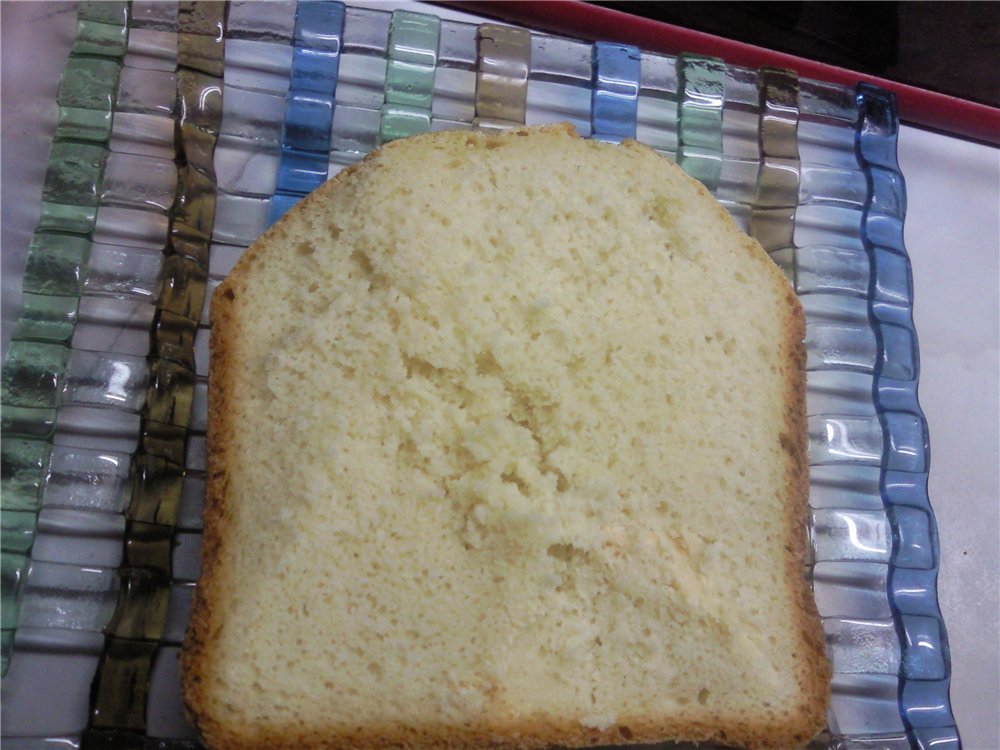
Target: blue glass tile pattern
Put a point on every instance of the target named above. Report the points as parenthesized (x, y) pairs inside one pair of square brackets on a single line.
[(615, 94), (925, 675), (305, 137)]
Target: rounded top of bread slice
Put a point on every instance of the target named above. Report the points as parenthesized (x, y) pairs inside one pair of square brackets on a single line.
[(506, 446)]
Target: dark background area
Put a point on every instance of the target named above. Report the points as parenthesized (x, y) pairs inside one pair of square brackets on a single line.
[(949, 47)]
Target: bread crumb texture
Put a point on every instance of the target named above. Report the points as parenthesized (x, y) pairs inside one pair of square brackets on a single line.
[(506, 451)]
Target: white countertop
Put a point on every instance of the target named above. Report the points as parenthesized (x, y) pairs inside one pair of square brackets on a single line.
[(953, 237)]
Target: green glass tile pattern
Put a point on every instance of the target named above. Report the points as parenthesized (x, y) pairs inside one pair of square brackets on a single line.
[(700, 92), (77, 123), (32, 373), (89, 83), (73, 175), (6, 646), (27, 422), (57, 217), (402, 122), (55, 263), (35, 367), (47, 318), (23, 467), (13, 567), (412, 58), (18, 530), (104, 11), (409, 79), (101, 39)]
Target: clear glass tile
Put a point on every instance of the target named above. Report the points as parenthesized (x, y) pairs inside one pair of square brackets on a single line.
[(361, 82), (240, 220), (366, 31), (832, 487), (656, 122), (454, 94), (839, 392), (739, 134), (68, 596), (79, 538), (133, 227), (222, 258), (48, 683), (258, 66), (152, 49), (154, 14), (165, 716), (151, 92), (143, 134), (738, 180), (556, 102), (178, 612), (865, 704), (827, 102), (139, 181), (199, 408), (852, 589), (355, 130), (88, 479), (246, 167), (201, 351), (102, 379), (457, 47), (186, 560), (190, 515), (97, 429), (837, 439), (206, 310), (840, 534), (561, 60), (255, 115), (123, 271), (109, 324), (269, 21)]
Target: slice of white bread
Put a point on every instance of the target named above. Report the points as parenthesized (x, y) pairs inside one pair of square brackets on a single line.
[(506, 448)]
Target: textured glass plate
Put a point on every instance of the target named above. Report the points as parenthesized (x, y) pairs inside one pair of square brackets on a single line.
[(186, 129)]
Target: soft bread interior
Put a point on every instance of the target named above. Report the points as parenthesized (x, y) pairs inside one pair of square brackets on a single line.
[(507, 442)]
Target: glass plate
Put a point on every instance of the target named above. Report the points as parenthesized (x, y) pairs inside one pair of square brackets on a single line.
[(185, 130)]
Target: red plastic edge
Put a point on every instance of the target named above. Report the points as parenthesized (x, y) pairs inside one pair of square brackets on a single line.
[(580, 19)]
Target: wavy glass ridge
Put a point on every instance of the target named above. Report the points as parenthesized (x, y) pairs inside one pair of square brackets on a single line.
[(186, 129)]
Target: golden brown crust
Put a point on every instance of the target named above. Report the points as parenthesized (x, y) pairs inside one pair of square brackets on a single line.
[(205, 622)]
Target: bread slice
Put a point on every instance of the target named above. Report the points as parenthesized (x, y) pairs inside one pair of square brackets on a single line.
[(506, 449)]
